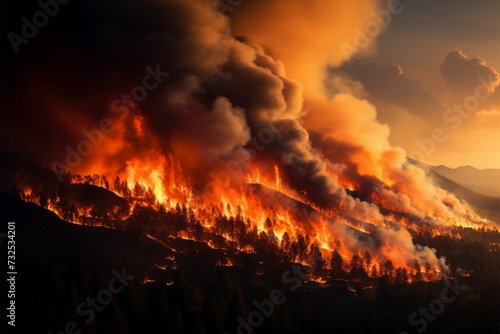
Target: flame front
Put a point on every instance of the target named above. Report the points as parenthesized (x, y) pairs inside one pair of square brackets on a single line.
[(265, 205)]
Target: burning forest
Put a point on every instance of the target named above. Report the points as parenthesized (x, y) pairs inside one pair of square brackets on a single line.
[(218, 139)]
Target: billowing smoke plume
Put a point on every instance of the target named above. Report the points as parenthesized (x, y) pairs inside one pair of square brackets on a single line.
[(305, 35)]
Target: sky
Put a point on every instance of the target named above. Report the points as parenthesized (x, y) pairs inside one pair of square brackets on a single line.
[(417, 40), (404, 58), (407, 84)]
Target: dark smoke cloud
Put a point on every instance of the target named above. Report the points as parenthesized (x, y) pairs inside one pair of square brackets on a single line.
[(221, 92)]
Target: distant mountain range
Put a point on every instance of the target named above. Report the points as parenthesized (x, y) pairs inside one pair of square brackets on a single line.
[(482, 181), (479, 187)]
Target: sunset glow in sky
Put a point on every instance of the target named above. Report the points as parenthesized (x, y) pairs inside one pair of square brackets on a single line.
[(400, 67)]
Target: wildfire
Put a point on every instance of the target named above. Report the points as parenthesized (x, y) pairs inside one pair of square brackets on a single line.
[(263, 204), (335, 184), (149, 174)]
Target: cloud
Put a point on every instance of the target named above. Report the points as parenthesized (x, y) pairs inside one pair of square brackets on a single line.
[(390, 85), (462, 74), (488, 113)]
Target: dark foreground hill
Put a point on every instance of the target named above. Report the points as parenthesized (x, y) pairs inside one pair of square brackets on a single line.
[(41, 234), (62, 267)]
